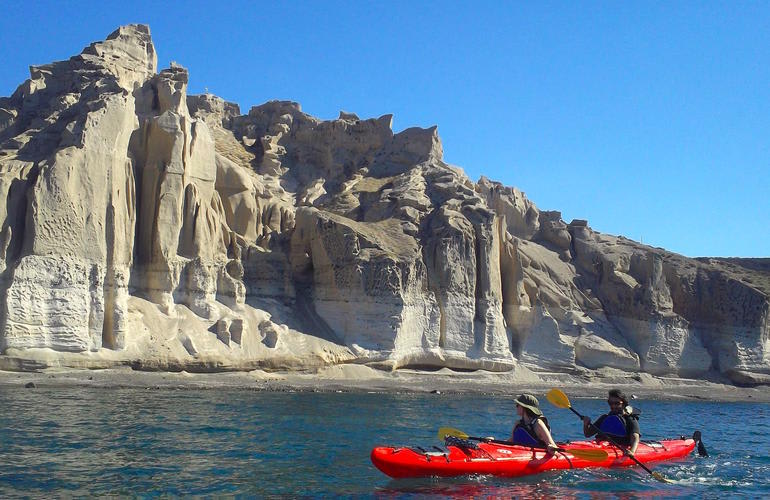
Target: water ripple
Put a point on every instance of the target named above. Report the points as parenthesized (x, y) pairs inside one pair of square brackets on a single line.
[(130, 442)]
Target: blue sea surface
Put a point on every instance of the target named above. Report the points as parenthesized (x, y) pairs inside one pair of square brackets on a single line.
[(227, 442)]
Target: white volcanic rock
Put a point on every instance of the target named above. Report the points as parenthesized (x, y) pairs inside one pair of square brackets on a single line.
[(182, 236), (238, 193), (367, 282), (594, 352), (657, 300), (147, 227), (48, 301), (521, 215), (547, 346), (69, 150), (127, 53)]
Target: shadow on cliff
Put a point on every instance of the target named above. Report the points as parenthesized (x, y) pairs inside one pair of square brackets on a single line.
[(299, 315)]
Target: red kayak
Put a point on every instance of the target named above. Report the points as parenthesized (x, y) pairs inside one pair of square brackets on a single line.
[(462, 457)]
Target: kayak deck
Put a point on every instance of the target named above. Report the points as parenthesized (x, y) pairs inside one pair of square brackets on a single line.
[(513, 460)]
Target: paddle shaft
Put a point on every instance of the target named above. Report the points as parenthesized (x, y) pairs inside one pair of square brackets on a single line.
[(508, 443), (497, 441), (493, 441), (576, 413), (608, 438), (592, 455)]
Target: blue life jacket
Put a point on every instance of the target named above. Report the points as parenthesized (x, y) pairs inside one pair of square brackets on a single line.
[(613, 426), (524, 434)]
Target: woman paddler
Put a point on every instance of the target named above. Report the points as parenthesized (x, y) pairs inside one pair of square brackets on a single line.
[(532, 429)]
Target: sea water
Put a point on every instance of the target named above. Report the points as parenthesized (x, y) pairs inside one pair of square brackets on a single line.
[(68, 442)]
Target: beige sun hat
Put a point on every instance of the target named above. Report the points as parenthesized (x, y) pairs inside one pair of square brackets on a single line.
[(529, 402)]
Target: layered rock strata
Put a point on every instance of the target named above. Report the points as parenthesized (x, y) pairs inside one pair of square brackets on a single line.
[(147, 227)]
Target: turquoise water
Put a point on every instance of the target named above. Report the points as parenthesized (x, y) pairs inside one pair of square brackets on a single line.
[(138, 442)]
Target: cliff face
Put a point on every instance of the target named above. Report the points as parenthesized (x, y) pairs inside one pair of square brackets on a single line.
[(144, 226)]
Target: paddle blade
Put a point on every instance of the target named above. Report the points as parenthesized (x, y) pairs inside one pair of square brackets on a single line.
[(660, 477), (558, 398), (590, 455), (449, 431), (701, 447)]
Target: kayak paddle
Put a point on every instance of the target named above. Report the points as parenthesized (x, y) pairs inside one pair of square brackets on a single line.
[(560, 400), (590, 455)]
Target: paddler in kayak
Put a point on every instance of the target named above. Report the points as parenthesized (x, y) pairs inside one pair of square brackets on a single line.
[(532, 429), (620, 423)]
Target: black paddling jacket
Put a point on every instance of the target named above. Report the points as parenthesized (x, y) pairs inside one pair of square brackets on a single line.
[(525, 435)]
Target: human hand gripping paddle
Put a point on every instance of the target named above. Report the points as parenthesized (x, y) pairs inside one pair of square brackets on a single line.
[(590, 455), (560, 400)]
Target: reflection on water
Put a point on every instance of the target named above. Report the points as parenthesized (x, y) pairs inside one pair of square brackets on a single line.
[(83, 442), (583, 483)]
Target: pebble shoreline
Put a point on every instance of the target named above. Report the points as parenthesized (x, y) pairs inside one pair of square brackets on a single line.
[(407, 382)]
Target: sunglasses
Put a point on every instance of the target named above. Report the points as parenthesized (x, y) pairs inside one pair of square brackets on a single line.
[(614, 402)]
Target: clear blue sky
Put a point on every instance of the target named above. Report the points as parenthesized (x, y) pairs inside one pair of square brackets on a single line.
[(649, 119)]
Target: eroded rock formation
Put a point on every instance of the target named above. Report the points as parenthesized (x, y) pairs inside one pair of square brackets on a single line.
[(144, 226)]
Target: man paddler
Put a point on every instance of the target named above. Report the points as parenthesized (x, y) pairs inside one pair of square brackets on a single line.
[(620, 424)]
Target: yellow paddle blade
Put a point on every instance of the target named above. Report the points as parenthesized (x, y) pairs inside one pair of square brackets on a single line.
[(591, 455), (449, 431), (660, 477), (558, 398)]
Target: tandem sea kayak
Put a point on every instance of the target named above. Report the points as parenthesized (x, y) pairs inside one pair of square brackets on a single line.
[(461, 457)]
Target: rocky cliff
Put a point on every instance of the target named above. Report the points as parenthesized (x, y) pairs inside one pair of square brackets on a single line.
[(145, 226)]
